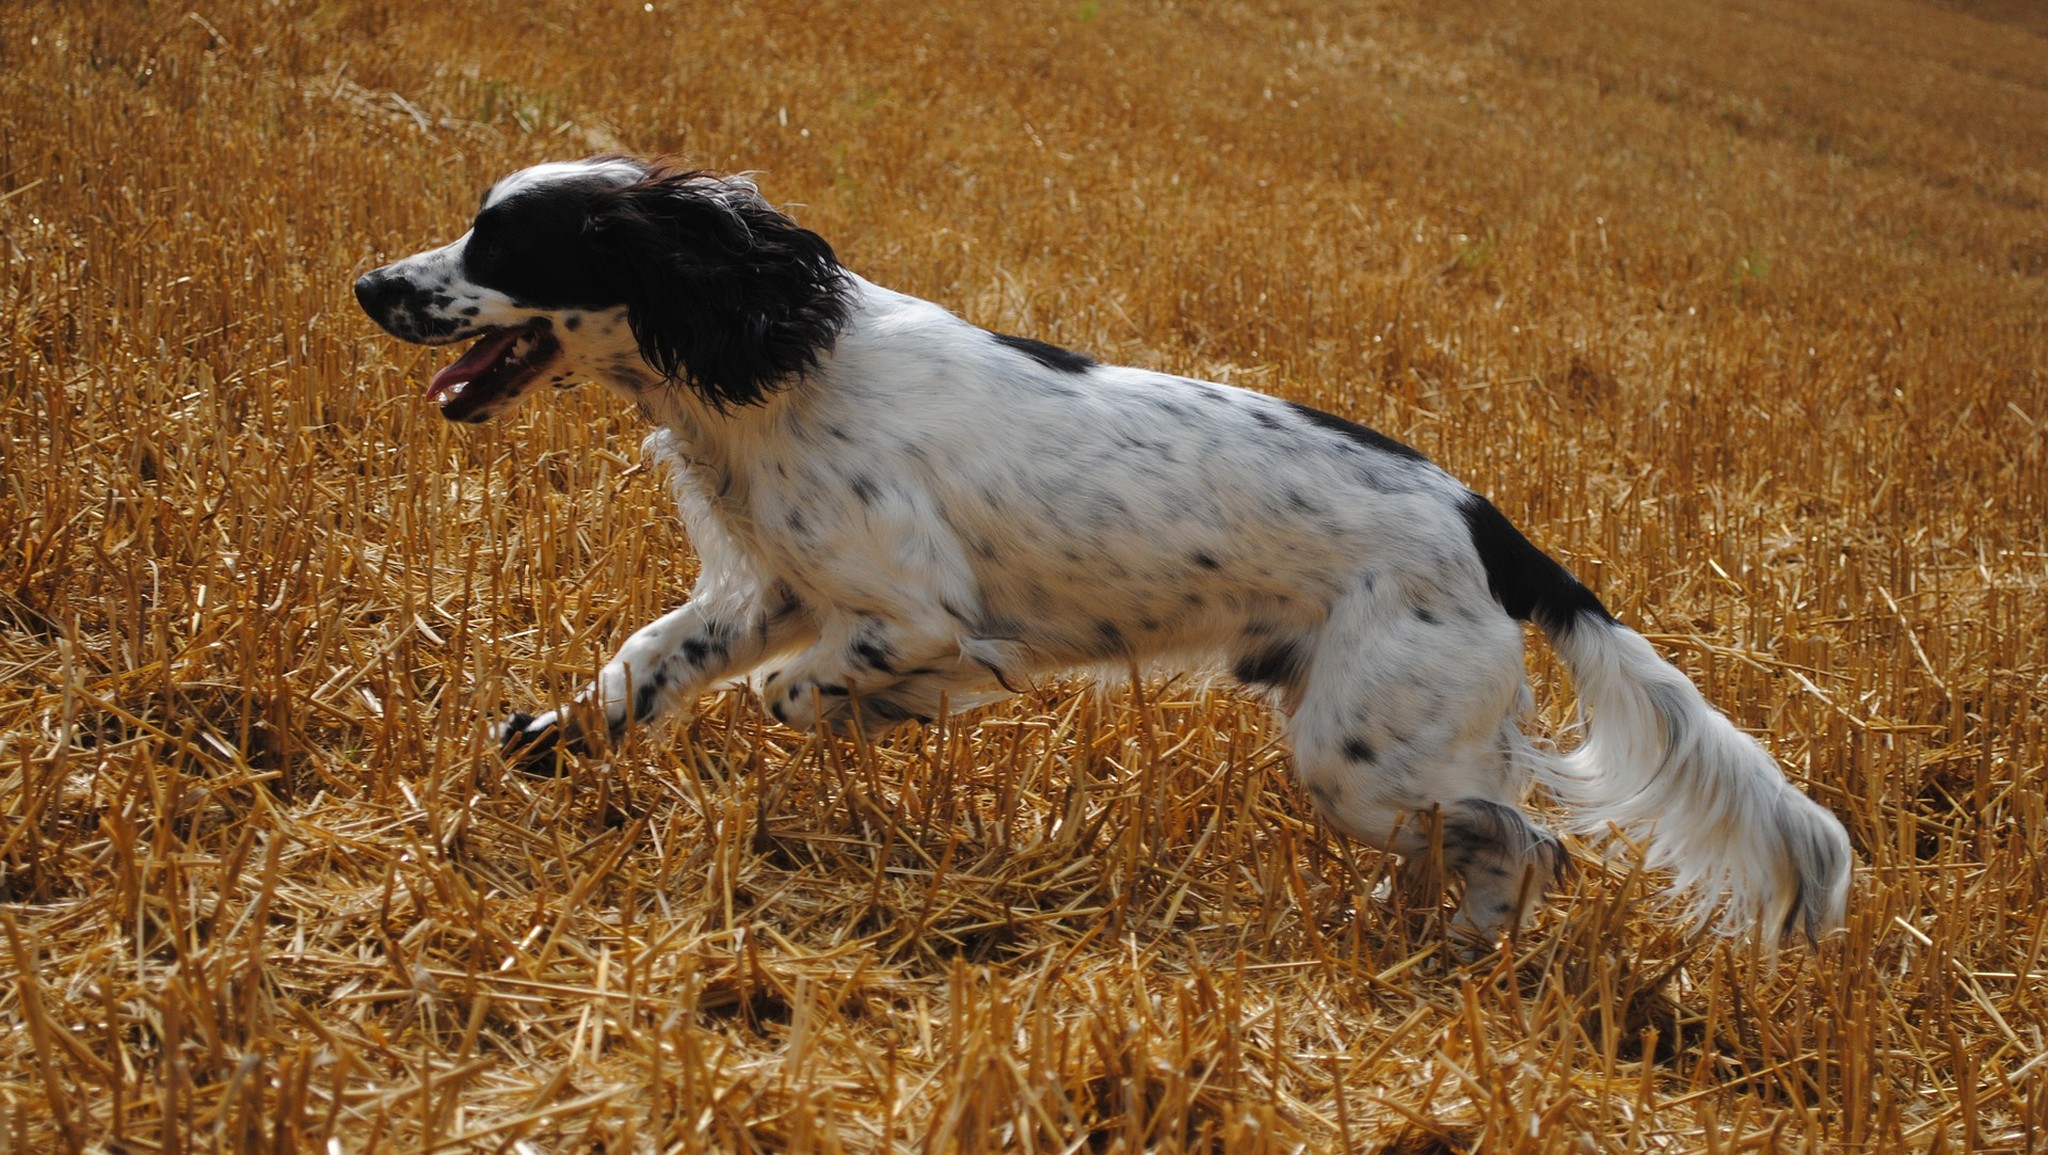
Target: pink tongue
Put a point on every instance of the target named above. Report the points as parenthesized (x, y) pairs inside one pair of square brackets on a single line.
[(481, 359)]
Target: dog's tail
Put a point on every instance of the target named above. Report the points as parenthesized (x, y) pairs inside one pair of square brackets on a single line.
[(1662, 765)]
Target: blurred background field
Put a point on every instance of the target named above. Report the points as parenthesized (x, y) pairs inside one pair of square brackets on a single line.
[(1740, 308)]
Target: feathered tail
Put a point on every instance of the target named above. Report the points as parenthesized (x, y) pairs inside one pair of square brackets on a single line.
[(1658, 761), (1663, 766)]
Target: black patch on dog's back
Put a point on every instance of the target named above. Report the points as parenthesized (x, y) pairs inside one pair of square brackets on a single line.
[(1051, 356), (1528, 583), (1352, 431)]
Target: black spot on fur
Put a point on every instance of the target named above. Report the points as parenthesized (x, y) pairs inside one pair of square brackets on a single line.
[(515, 728), (643, 701), (1481, 831), (1360, 750), (1273, 665), (1051, 356), (1267, 419), (864, 489), (1528, 583), (704, 651), (1369, 438), (1424, 616), (530, 751), (786, 602), (873, 655), (1107, 509), (1110, 636), (889, 710), (573, 322), (1202, 559)]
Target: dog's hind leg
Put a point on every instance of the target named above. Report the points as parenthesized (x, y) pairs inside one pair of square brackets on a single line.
[(1401, 732)]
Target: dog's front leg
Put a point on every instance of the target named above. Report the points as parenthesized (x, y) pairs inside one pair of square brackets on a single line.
[(666, 663)]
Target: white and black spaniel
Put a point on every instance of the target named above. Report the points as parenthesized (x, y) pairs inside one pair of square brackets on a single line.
[(895, 509)]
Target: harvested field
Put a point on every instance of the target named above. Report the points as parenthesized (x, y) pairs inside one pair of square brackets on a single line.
[(1740, 309)]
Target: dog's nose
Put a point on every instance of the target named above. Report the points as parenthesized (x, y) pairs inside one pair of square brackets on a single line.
[(375, 291)]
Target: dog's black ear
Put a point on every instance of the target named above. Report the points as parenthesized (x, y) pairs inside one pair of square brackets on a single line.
[(723, 292)]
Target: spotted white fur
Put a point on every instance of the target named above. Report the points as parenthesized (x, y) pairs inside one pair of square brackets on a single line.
[(894, 508)]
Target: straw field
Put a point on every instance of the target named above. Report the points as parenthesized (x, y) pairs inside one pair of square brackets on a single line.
[(1736, 307)]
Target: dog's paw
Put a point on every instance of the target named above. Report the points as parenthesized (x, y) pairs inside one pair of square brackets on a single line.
[(801, 703), (536, 743)]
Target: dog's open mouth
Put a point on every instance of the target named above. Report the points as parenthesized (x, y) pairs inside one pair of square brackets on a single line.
[(500, 365)]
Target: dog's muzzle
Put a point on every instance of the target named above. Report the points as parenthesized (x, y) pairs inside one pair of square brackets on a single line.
[(406, 310)]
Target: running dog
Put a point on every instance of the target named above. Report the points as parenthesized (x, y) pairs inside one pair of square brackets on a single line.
[(895, 509)]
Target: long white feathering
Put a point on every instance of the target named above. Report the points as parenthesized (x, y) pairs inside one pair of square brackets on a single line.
[(1744, 849)]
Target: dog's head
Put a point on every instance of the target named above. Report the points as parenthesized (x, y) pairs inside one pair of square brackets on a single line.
[(638, 274)]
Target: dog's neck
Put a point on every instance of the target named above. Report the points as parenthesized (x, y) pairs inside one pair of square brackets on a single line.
[(726, 441), (727, 438)]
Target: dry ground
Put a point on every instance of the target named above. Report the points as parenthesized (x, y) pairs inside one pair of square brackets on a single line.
[(1736, 305)]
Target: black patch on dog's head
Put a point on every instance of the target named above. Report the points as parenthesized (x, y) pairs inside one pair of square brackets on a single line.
[(531, 245), (1051, 356), (723, 293)]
